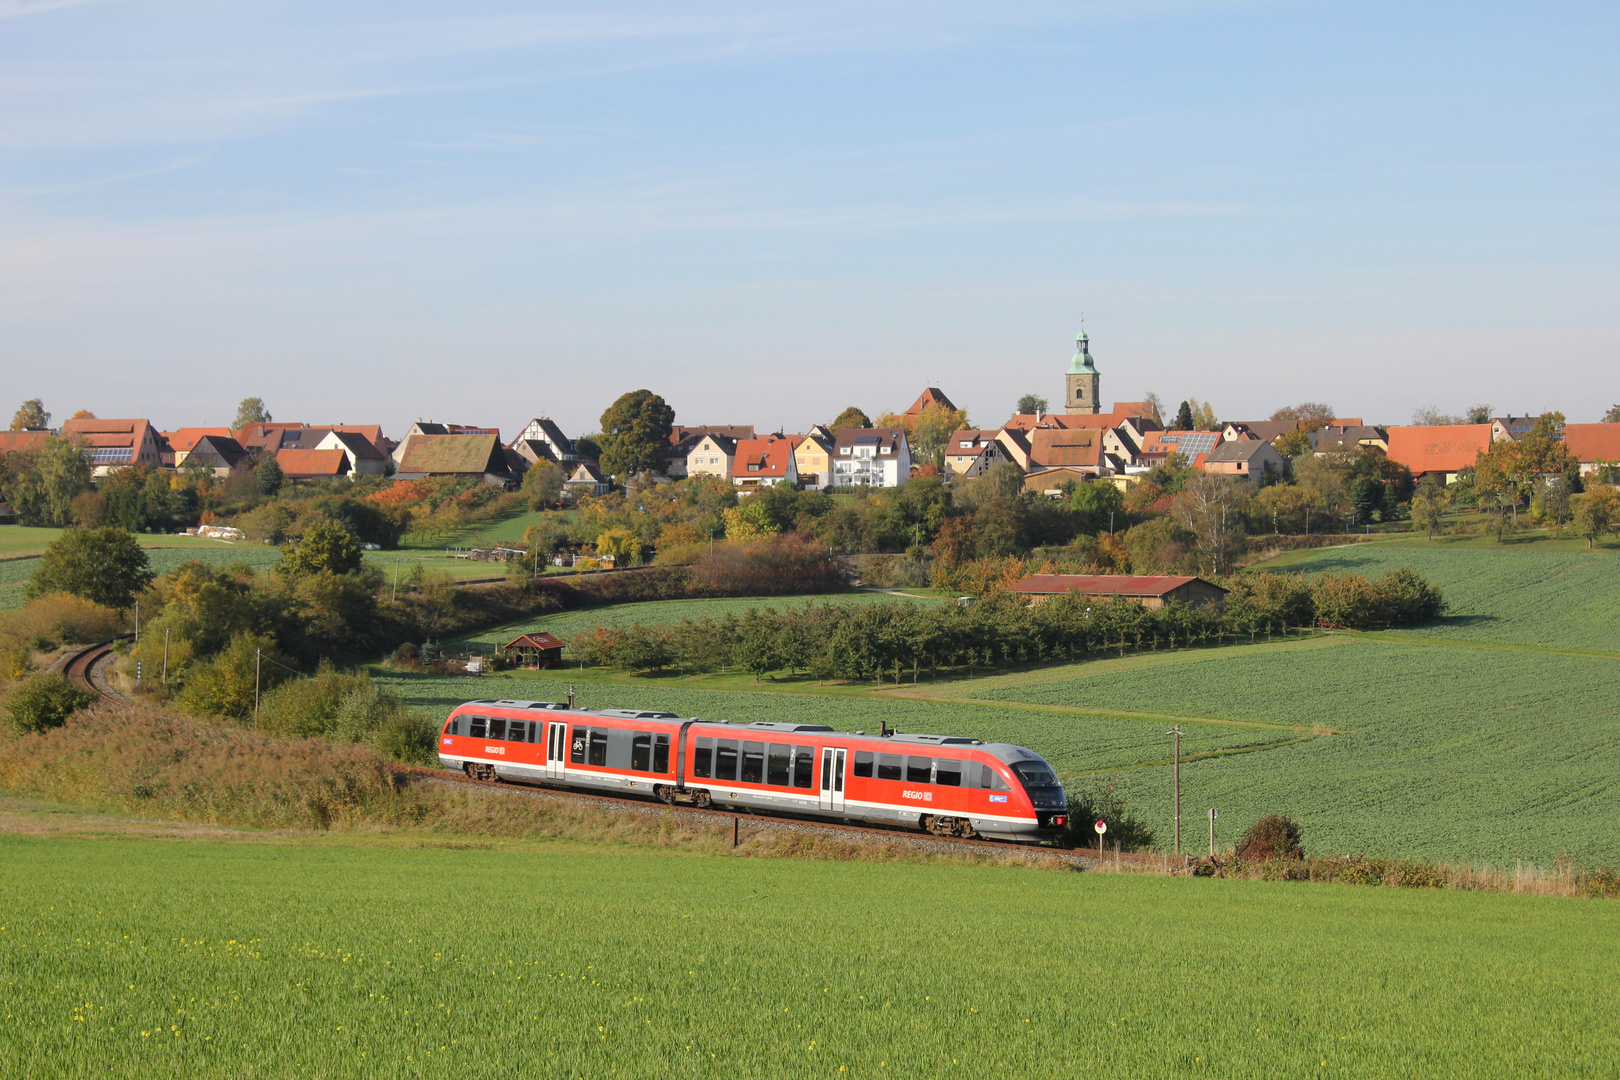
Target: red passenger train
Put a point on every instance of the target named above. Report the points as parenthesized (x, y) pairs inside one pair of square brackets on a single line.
[(942, 784)]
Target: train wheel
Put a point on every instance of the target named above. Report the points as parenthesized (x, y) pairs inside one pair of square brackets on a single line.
[(702, 800), (665, 794)]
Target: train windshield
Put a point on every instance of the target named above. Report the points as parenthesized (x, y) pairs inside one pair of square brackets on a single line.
[(1041, 783)]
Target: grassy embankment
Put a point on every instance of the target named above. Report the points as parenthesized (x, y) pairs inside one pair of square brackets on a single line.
[(1488, 738), (336, 958)]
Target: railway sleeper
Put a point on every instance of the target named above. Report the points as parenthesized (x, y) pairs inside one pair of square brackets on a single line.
[(949, 826)]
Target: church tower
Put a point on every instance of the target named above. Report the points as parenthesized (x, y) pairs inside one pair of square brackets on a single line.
[(1081, 389)]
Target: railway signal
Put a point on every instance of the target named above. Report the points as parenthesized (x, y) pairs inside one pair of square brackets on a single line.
[(1101, 827)]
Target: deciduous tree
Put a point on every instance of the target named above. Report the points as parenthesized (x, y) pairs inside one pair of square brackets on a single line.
[(1310, 415), (41, 483), (105, 565), (1597, 512), (251, 411), (325, 547), (543, 485), (1030, 404), (931, 432), (31, 414), (635, 433), (851, 417)]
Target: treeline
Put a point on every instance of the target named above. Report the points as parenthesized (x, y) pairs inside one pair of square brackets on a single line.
[(867, 642)]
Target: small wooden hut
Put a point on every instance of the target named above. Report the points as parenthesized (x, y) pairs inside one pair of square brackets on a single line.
[(536, 650)]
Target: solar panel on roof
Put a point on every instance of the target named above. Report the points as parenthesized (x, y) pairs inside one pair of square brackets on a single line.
[(112, 455)]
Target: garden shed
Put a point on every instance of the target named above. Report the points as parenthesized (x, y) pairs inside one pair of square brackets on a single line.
[(535, 650)]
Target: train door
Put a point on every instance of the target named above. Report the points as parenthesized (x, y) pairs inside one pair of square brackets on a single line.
[(556, 750), (832, 779)]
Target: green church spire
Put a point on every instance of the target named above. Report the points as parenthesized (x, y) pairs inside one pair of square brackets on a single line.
[(1081, 364)]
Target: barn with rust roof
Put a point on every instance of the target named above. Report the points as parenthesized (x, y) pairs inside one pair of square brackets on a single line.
[(1151, 591)]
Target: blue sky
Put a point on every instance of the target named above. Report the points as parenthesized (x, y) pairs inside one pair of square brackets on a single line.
[(480, 212)]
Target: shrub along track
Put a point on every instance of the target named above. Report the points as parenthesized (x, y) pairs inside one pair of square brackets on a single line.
[(925, 841)]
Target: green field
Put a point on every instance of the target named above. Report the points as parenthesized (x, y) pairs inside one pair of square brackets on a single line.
[(564, 624), (1566, 600), (1493, 737), (338, 959), (14, 573)]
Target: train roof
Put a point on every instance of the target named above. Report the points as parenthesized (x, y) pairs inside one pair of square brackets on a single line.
[(1003, 751)]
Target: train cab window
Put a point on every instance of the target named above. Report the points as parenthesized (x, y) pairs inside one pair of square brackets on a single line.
[(725, 759), (453, 727), (660, 754), (777, 763), (576, 750), (497, 728), (641, 751), (948, 771), (919, 770), (477, 729), (703, 757), (753, 763), (889, 767), (599, 743), (863, 762), (804, 764), (990, 780)]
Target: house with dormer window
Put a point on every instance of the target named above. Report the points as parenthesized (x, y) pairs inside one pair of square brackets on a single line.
[(871, 457)]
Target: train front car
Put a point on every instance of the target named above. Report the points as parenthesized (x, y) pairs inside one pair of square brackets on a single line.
[(1045, 807)]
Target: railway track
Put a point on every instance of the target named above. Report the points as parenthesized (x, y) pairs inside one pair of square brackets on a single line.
[(788, 821), (79, 667)]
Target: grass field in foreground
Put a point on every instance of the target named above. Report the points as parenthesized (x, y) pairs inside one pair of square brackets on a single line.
[(212, 959)]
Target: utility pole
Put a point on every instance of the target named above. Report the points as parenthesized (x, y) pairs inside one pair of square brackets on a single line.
[(258, 659), (1176, 731), (137, 620), (165, 658), (396, 580), (1212, 816)]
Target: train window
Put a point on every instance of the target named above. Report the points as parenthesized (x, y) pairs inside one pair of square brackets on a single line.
[(661, 754), (576, 752), (599, 743), (919, 770), (889, 767), (753, 763), (948, 771), (863, 762), (777, 764), (477, 731), (517, 731), (703, 758), (725, 759), (991, 780), (497, 728), (453, 727), (535, 729), (804, 764), (641, 751)]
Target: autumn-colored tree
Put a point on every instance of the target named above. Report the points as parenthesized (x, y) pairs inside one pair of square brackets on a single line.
[(83, 414), (1429, 505), (31, 414), (1597, 512), (1309, 415), (931, 432)]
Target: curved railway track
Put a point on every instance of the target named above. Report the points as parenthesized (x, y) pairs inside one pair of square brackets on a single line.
[(1000, 847), (79, 667)]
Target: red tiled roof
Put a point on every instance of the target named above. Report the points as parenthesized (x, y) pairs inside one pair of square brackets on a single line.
[(181, 440), (107, 433), (12, 441), (762, 459), (534, 641), (1105, 584), (930, 396), (1052, 447), (1593, 442), (299, 464), (1444, 448)]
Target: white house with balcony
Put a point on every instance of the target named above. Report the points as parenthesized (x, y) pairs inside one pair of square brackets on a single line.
[(871, 457)]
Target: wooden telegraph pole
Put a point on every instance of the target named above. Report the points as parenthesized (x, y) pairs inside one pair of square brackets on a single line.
[(1176, 731)]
